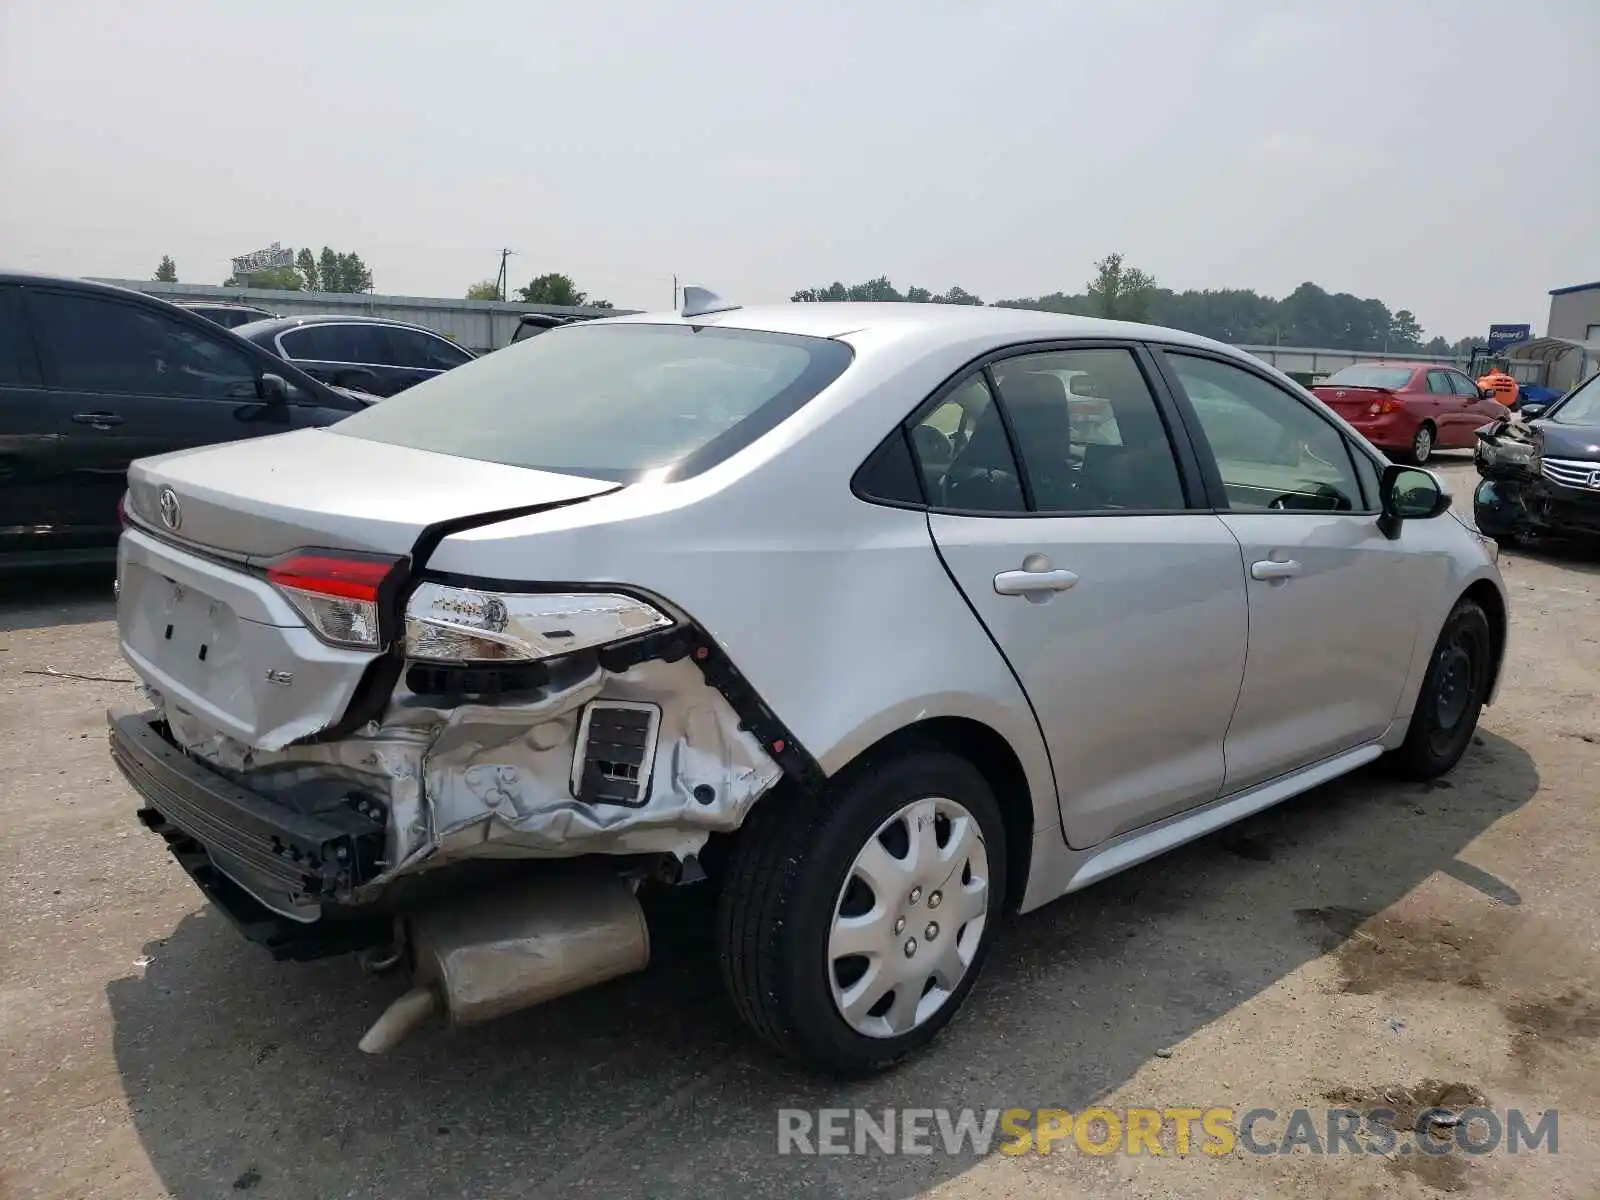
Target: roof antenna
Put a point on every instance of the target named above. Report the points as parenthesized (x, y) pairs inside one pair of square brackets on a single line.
[(698, 301)]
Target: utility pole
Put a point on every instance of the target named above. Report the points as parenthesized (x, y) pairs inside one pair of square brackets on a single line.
[(500, 280), (674, 293)]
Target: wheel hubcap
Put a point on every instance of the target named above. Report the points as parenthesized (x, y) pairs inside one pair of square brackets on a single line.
[(1424, 443), (929, 855), (1455, 686)]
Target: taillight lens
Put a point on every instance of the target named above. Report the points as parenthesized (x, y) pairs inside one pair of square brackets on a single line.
[(1391, 404), (337, 594), (464, 625)]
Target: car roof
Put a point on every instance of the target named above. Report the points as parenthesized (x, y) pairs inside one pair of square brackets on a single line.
[(845, 318), (220, 304), (72, 281), (1399, 365), (279, 324)]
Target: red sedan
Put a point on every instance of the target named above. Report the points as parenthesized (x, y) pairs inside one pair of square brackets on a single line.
[(1409, 410)]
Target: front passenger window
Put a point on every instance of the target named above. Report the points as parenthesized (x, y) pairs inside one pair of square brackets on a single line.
[(1273, 451)]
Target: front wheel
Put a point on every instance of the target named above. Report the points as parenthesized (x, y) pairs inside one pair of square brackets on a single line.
[(1452, 695), (854, 924)]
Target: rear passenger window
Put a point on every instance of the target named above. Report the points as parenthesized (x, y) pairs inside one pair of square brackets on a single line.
[(340, 343), (1273, 451), (1089, 433), (964, 454)]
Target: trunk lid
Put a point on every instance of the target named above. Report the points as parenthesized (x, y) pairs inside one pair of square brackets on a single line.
[(1351, 401), (199, 621), (260, 498)]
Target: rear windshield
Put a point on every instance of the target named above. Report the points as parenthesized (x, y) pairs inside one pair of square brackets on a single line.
[(1364, 376), (613, 402)]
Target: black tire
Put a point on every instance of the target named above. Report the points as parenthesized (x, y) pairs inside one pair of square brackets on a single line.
[(1421, 449), (1452, 695), (777, 907)]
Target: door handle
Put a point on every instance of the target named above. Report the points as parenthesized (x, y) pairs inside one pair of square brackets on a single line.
[(100, 420), (1270, 569), (1026, 582)]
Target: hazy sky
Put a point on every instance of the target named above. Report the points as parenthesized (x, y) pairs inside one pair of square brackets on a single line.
[(758, 148)]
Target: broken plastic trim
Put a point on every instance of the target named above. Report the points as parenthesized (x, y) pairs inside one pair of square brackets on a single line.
[(684, 640), (383, 674)]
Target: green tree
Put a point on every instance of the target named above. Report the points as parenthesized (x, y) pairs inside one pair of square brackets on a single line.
[(558, 289), (1404, 331), (486, 289), (305, 262), (280, 279), (338, 272), (1120, 292), (167, 271), (957, 295)]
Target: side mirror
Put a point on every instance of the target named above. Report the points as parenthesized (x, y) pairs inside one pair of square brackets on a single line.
[(1409, 494), (1485, 393), (273, 389), (1532, 409)]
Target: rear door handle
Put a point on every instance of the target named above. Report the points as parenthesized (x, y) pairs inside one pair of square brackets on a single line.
[(1024, 583), (100, 420), (1270, 569)]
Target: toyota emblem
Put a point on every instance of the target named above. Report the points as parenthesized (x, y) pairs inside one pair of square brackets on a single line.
[(1594, 479), (171, 510)]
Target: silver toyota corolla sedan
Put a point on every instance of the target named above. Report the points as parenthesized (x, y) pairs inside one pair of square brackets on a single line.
[(878, 623)]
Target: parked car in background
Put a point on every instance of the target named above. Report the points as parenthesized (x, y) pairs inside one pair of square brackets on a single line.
[(229, 316), (1409, 410), (964, 654), (533, 324), (93, 377), (370, 353), (1540, 469)]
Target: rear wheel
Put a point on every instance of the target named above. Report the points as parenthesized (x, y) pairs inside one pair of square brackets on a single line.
[(853, 925), (1452, 695), (1422, 444)]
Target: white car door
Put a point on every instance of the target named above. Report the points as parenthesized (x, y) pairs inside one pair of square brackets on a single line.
[(1118, 602), (1334, 603)]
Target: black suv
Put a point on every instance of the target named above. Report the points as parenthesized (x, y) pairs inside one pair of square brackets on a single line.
[(376, 355), (93, 377)]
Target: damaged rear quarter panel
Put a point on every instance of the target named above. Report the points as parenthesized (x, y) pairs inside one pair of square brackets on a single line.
[(478, 780)]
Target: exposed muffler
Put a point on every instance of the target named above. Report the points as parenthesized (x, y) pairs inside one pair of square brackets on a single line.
[(513, 947)]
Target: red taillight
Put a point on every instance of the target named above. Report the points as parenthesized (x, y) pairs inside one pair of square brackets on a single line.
[(336, 593), (349, 577)]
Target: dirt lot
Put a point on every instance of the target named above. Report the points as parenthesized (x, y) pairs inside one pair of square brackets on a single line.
[(1351, 945)]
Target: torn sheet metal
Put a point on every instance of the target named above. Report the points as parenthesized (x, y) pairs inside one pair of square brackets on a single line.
[(494, 780)]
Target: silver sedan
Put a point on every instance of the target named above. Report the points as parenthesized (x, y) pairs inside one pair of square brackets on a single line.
[(877, 622)]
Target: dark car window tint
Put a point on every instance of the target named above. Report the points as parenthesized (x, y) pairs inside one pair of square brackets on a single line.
[(16, 349), (423, 350), (340, 343), (97, 345), (1439, 383), (1089, 432), (1273, 451), (964, 455), (618, 402)]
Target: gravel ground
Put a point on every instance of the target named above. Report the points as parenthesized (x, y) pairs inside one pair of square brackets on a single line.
[(1369, 942)]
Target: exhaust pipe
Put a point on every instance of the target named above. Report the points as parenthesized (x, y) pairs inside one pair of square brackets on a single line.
[(499, 951)]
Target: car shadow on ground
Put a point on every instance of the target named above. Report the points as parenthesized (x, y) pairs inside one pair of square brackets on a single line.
[(243, 1075), (63, 596)]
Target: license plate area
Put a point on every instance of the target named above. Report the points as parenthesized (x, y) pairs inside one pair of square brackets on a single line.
[(616, 752), (188, 634)]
